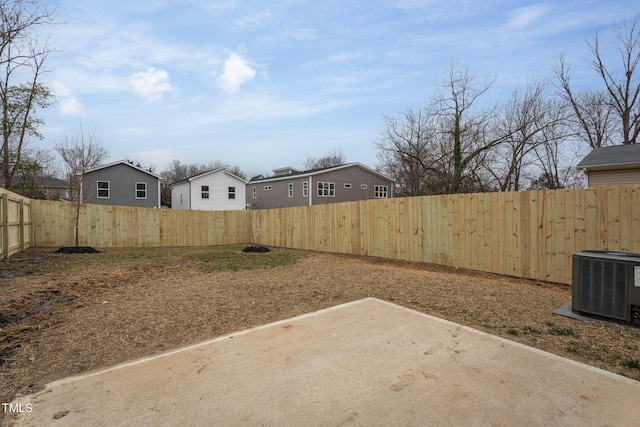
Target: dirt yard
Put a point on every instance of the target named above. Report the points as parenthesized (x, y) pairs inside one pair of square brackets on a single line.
[(62, 315)]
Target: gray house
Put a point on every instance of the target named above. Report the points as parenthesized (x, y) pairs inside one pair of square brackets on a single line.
[(290, 187), (123, 184), (612, 166)]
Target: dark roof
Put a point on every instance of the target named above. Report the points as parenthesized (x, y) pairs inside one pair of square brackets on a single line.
[(614, 157), (319, 171), (295, 172), (126, 163)]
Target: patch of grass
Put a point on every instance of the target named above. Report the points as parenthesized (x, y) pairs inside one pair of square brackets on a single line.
[(589, 349), (531, 329), (573, 348), (512, 331), (225, 258), (486, 325), (631, 363), (562, 331)]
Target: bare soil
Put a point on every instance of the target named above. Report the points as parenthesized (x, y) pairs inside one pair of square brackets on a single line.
[(62, 315)]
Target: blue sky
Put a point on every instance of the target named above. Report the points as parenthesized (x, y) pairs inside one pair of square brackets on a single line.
[(267, 84)]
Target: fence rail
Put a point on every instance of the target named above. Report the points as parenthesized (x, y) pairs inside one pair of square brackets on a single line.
[(525, 234), (15, 223)]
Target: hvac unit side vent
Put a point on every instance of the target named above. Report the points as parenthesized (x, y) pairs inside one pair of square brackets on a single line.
[(606, 284)]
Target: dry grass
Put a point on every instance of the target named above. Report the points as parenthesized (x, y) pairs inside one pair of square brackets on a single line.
[(65, 314)]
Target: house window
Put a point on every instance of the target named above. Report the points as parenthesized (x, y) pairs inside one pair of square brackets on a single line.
[(290, 190), (326, 189), (232, 193), (268, 187), (347, 185), (305, 189), (363, 186), (254, 192), (103, 190), (141, 190), (380, 192), (205, 191)]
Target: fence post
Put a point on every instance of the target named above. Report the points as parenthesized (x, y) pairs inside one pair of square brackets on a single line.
[(5, 226), (21, 229)]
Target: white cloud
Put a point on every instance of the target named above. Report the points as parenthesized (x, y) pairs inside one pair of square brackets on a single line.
[(236, 72), (151, 84), (525, 16), (70, 106)]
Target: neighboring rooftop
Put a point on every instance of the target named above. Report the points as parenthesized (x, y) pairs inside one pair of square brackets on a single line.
[(613, 157), (294, 172)]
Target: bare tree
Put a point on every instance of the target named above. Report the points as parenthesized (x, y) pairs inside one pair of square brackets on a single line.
[(334, 158), (406, 150), (447, 146), (467, 128), (623, 86), (80, 152), (592, 118), (530, 118), (22, 57)]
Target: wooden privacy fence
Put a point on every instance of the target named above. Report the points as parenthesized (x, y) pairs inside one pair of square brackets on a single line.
[(124, 226), (15, 223), (525, 234)]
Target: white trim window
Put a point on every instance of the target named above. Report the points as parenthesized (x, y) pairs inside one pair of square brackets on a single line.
[(232, 193), (104, 191), (326, 189), (255, 192), (290, 190), (380, 192), (347, 185), (363, 186), (141, 190), (204, 190), (268, 187), (305, 189)]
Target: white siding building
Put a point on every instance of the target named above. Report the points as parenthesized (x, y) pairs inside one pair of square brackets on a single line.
[(217, 189)]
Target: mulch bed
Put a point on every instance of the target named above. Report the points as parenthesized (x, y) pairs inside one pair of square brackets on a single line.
[(69, 250)]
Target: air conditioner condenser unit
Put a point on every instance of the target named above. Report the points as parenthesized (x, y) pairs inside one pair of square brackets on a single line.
[(606, 284)]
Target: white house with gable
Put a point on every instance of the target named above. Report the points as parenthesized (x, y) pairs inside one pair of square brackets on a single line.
[(215, 190)]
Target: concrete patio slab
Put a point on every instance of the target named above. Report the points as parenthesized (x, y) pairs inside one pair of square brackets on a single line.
[(368, 362)]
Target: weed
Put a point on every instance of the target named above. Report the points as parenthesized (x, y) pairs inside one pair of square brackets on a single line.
[(573, 348), (562, 330), (631, 363), (532, 329), (512, 331)]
